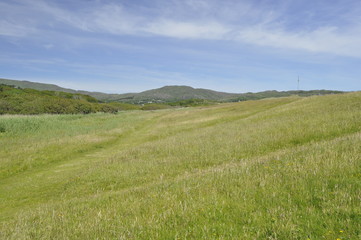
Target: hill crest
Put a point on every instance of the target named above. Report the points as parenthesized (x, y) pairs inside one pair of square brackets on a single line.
[(168, 93)]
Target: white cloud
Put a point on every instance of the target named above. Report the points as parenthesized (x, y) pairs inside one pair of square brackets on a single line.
[(191, 19), (190, 30), (114, 19), (325, 40)]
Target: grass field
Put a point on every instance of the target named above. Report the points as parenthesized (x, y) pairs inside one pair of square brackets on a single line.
[(285, 168)]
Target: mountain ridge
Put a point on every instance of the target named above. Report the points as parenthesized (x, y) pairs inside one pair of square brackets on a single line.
[(167, 93)]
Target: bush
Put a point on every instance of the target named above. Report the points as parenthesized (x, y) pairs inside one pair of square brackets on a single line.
[(30, 101)]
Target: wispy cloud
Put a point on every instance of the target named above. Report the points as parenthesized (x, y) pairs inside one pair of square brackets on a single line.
[(137, 45), (241, 22), (187, 30), (15, 30), (325, 39)]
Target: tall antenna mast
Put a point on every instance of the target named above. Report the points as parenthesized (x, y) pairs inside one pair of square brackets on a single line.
[(298, 83)]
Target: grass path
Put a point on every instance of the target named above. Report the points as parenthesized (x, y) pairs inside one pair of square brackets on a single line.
[(109, 146), (228, 166)]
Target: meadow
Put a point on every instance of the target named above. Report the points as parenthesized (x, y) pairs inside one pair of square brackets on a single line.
[(279, 168)]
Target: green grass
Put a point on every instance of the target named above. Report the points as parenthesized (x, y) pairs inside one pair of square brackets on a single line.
[(30, 101), (285, 168)]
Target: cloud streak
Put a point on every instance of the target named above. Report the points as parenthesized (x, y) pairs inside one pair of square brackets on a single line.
[(244, 23), (226, 45)]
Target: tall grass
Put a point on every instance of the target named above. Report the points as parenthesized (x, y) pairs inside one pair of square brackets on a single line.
[(286, 168)]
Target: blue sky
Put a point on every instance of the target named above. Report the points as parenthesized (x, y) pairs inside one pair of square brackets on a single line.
[(122, 46)]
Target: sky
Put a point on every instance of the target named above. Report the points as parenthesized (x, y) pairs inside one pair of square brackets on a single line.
[(119, 46)]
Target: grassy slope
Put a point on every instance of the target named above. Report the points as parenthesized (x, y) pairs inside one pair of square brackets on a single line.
[(286, 168), (31, 101), (52, 87), (35, 85)]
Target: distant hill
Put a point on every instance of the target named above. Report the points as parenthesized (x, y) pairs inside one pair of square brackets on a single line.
[(179, 93), (164, 94), (168, 93)]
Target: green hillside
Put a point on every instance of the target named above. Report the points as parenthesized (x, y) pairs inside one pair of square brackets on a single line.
[(164, 94), (176, 93), (51, 87), (35, 85), (169, 94), (29, 101), (281, 168)]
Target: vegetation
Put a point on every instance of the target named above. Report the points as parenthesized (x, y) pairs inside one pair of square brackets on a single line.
[(14, 100), (192, 103), (51, 87), (29, 101), (282, 168), (177, 104), (169, 94), (269, 94), (154, 106), (35, 85)]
